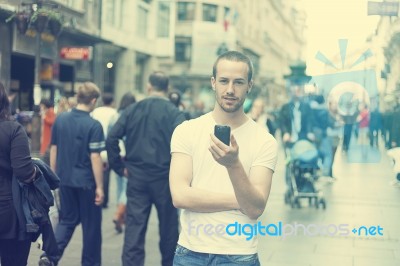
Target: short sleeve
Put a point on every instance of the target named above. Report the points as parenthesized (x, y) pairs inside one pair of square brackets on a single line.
[(96, 139), (181, 139), (267, 154)]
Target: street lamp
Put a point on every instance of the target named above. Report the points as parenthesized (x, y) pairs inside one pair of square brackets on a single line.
[(40, 19)]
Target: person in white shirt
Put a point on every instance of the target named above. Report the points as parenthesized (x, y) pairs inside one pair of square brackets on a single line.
[(217, 185), (104, 115)]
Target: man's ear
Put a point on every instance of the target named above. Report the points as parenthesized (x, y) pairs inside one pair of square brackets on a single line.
[(250, 86), (149, 88), (213, 83), (94, 101)]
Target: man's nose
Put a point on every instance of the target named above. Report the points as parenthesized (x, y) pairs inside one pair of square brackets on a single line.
[(231, 88)]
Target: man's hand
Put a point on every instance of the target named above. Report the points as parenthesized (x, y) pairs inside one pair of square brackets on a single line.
[(225, 155), (286, 137), (99, 196)]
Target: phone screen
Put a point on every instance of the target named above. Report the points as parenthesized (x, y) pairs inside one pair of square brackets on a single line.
[(223, 133)]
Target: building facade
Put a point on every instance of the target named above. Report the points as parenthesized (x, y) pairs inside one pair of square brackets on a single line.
[(387, 40), (66, 58), (118, 43)]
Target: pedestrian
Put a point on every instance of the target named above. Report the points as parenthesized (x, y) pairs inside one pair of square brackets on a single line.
[(295, 118), (76, 142), (48, 118), (394, 153), (217, 184), (176, 99), (104, 114), (15, 162), (375, 126), (147, 127), (62, 105), (321, 122), (363, 125), (119, 216)]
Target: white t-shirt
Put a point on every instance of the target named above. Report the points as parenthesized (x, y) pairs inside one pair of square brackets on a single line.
[(205, 232), (104, 114)]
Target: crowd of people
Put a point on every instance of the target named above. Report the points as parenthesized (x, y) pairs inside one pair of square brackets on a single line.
[(166, 155)]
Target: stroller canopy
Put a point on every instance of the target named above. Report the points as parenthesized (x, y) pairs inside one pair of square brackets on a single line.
[(304, 151)]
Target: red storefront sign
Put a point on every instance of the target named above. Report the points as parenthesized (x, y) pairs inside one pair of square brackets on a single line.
[(76, 53)]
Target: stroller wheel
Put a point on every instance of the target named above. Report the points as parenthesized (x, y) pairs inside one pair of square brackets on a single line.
[(295, 203), (323, 203), (287, 197)]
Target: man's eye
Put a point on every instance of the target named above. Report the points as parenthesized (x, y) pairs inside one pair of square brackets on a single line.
[(223, 81)]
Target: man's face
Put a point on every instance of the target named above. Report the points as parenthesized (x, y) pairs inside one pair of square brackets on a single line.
[(231, 85)]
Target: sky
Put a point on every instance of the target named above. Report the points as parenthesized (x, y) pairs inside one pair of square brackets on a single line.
[(331, 20)]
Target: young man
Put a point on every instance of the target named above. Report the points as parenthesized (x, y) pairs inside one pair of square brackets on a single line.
[(215, 184), (104, 114), (147, 127), (76, 142)]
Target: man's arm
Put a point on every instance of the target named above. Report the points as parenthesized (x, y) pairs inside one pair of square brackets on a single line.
[(97, 168), (251, 191), (53, 157), (185, 196), (116, 133)]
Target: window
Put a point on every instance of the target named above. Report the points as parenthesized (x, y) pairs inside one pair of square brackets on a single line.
[(142, 17), (110, 11), (183, 50), (163, 19), (186, 11), (209, 12), (113, 12)]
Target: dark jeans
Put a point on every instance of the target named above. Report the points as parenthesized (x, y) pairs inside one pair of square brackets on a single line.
[(347, 131), (77, 206), (141, 195), (106, 185), (184, 257), (13, 252), (373, 137)]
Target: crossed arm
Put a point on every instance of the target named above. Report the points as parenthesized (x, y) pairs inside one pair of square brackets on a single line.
[(250, 192)]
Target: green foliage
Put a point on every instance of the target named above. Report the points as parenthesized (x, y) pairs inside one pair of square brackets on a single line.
[(51, 14)]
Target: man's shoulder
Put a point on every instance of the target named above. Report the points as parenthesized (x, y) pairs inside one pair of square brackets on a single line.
[(194, 126), (260, 133), (199, 121)]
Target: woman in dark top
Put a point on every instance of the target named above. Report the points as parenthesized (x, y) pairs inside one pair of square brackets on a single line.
[(15, 162)]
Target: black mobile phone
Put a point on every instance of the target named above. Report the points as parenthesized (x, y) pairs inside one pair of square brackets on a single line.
[(223, 133)]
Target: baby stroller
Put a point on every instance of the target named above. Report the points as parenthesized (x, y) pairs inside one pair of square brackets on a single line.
[(301, 174)]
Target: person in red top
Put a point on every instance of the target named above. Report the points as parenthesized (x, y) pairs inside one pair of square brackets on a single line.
[(47, 110), (363, 119)]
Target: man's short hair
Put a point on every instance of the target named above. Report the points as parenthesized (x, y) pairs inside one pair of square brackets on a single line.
[(87, 92), (236, 57), (107, 98), (159, 81)]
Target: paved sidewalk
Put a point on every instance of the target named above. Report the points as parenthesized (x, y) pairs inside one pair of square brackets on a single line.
[(361, 196)]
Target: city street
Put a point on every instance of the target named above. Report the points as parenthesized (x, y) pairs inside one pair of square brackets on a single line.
[(361, 196)]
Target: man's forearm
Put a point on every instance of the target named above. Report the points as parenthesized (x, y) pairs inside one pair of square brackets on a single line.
[(53, 157), (97, 168), (200, 200), (250, 200)]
